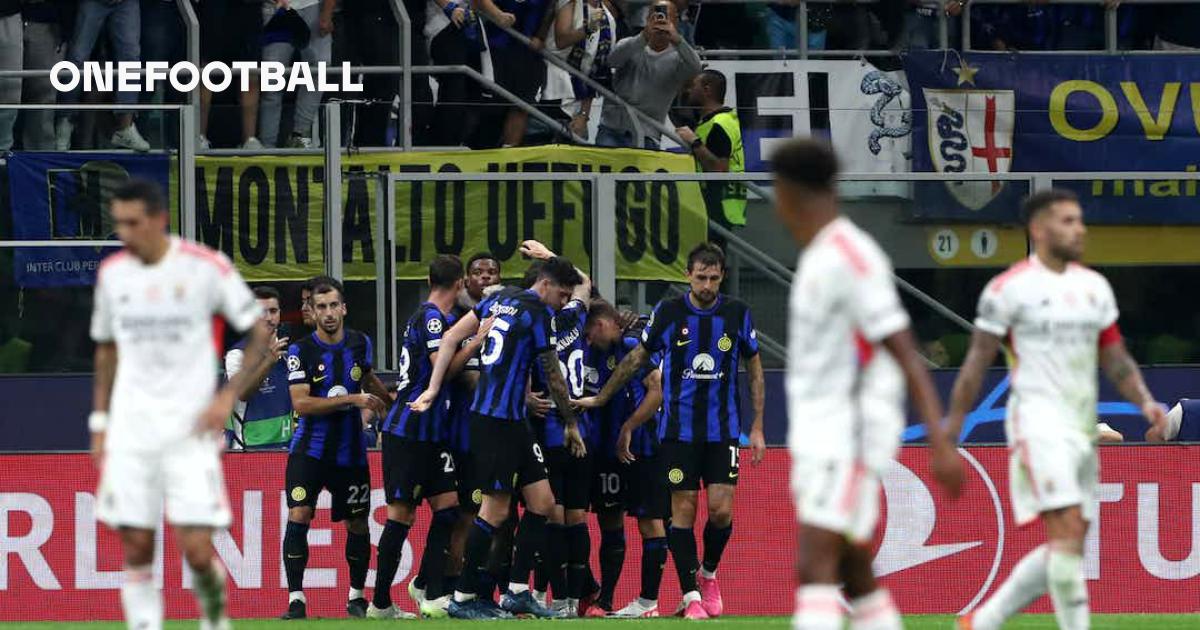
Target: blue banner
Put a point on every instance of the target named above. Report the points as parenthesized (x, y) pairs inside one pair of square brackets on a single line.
[(991, 113), (64, 197)]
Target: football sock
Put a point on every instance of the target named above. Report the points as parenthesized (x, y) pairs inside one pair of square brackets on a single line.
[(387, 561), (682, 541), (715, 539), (1068, 590), (358, 558), (554, 568), (612, 560), (875, 611), (209, 588), (437, 550), (295, 555), (140, 599), (531, 543), (579, 555), (818, 607), (1025, 583), (654, 559), (479, 542)]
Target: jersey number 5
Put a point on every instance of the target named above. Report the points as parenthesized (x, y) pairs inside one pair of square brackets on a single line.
[(495, 341)]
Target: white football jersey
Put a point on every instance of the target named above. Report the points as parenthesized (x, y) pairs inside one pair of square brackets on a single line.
[(162, 318), (845, 391), (1055, 324)]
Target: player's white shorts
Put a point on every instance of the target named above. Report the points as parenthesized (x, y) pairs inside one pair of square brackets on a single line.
[(134, 485), (838, 495), (1051, 473)]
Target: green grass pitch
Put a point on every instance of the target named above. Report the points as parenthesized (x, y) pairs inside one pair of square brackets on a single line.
[(912, 622)]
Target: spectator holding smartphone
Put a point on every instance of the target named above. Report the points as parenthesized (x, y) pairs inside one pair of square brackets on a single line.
[(262, 417), (583, 36), (649, 70)]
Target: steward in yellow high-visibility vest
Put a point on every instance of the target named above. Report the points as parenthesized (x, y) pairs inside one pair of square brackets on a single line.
[(717, 146)]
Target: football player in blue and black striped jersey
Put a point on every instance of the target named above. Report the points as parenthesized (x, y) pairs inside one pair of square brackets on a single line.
[(507, 459), (702, 337), (417, 465), (330, 377)]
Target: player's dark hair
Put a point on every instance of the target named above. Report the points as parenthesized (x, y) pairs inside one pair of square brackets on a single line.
[(1039, 202), (531, 274), (601, 309), (314, 281), (715, 80), (560, 271), (707, 254), (806, 162), (444, 271), (326, 284), (482, 256), (267, 293), (145, 191)]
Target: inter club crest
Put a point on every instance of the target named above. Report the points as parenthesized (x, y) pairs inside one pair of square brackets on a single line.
[(971, 131)]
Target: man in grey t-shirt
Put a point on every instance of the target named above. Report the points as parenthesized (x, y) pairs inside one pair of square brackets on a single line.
[(649, 70)]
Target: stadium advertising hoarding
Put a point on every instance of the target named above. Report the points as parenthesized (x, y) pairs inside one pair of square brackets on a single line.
[(936, 555), (267, 213)]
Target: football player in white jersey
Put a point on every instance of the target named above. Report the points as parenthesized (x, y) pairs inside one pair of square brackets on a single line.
[(850, 353), (156, 423), (1056, 319)]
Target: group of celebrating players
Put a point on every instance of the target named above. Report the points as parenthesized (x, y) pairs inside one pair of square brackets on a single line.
[(540, 394), (543, 395)]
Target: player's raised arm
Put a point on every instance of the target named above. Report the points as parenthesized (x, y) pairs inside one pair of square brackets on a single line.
[(625, 370), (465, 327), (644, 412), (1123, 372), (556, 386)]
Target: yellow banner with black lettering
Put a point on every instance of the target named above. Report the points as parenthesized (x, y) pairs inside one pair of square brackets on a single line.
[(267, 213)]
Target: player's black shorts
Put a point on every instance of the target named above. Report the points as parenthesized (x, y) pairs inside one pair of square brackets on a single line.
[(349, 485), (413, 471), (506, 455), (518, 70), (469, 495), (608, 484), (685, 464), (570, 477), (647, 494)]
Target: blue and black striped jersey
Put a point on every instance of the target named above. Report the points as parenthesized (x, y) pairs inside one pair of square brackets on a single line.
[(608, 419), (422, 338), (331, 370), (569, 324), (700, 352), (519, 333)]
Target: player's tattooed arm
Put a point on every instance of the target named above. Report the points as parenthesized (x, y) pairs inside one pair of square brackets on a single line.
[(980, 356), (556, 386), (465, 327), (644, 412), (1125, 375), (944, 460), (758, 397), (625, 370)]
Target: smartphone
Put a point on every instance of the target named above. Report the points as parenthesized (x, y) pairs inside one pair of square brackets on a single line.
[(659, 12), (283, 331)]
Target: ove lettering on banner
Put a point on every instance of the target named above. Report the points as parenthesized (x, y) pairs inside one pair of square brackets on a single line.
[(266, 213), (1142, 543)]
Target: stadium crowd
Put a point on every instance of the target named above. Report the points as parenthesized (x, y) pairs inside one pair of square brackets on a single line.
[(585, 34)]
